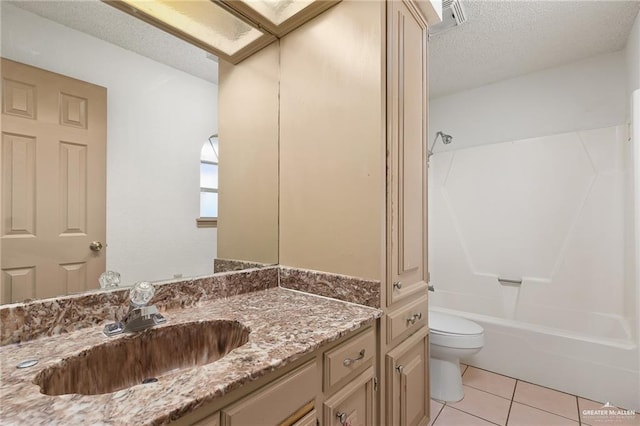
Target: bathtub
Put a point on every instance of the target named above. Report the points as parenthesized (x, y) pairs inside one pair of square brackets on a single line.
[(591, 367)]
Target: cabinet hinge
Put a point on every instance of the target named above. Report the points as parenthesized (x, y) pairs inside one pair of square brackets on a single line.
[(375, 384)]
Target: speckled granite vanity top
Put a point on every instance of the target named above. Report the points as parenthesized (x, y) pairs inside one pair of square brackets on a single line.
[(284, 324)]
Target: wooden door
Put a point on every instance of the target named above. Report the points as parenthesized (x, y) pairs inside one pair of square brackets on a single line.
[(53, 184), (407, 369), (407, 162)]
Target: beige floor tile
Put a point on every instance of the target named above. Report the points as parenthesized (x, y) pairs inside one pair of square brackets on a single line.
[(483, 404), (587, 404), (452, 417), (599, 420), (435, 410), (547, 399), (463, 368), (523, 415), (489, 382)]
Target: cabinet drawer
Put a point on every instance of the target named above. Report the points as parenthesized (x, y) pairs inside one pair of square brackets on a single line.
[(212, 420), (406, 319), (308, 420), (401, 290), (275, 403), (345, 361)]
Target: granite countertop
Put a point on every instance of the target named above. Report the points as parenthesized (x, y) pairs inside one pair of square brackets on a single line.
[(285, 325)]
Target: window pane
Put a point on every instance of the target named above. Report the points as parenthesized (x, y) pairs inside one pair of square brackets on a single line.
[(208, 204), (209, 151), (208, 175)]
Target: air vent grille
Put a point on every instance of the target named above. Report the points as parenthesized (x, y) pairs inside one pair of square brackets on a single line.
[(452, 15), (458, 12)]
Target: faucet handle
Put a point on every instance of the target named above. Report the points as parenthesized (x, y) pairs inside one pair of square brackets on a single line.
[(141, 293)]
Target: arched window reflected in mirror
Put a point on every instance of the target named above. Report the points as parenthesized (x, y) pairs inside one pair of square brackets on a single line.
[(209, 178)]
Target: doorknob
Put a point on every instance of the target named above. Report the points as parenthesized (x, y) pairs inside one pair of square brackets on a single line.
[(95, 246)]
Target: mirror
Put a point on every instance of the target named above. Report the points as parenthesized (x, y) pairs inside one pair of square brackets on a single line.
[(161, 110)]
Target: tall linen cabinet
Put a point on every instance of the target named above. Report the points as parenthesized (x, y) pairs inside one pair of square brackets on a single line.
[(351, 91)]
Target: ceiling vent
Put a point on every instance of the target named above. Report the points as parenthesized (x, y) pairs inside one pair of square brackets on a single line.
[(452, 16)]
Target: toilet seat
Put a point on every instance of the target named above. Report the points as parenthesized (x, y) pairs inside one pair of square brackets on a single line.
[(449, 324), (454, 332), (457, 341)]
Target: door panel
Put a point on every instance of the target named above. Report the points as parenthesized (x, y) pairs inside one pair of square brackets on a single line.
[(73, 188), (407, 98), (18, 99), (19, 184), (53, 183), (19, 283)]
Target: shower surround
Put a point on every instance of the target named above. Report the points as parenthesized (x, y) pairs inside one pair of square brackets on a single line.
[(557, 213)]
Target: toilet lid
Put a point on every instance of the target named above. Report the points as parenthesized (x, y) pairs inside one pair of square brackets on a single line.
[(444, 323)]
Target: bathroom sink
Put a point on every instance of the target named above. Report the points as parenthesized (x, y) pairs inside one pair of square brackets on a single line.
[(142, 358)]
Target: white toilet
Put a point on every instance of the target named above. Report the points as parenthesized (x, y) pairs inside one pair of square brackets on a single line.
[(451, 338)]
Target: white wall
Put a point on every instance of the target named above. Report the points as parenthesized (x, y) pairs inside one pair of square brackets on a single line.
[(158, 119), (583, 95), (633, 57)]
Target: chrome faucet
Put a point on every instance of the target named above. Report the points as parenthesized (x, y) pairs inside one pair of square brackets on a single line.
[(140, 316)]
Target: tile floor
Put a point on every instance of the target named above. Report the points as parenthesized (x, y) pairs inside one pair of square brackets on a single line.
[(493, 399)]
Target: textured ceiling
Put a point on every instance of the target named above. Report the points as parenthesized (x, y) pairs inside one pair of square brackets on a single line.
[(506, 38), (105, 22), (502, 38)]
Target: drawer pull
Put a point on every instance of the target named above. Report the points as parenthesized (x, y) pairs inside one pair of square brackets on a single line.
[(415, 317), (347, 362), (397, 284), (400, 369)]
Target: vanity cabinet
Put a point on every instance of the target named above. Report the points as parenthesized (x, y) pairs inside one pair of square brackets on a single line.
[(349, 374), (407, 370), (334, 385)]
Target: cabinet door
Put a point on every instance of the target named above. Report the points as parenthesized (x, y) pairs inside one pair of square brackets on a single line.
[(407, 168), (353, 405), (407, 369)]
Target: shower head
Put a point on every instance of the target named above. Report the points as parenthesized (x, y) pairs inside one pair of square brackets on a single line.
[(446, 139)]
